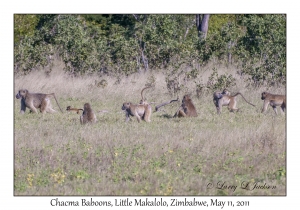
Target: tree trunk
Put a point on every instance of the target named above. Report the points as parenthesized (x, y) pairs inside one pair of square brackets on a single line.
[(202, 25), (145, 61), (229, 52), (198, 24)]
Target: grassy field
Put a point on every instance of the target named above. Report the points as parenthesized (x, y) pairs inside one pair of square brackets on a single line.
[(240, 153)]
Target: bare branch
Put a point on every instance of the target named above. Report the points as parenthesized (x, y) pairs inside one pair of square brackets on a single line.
[(165, 103), (136, 17), (103, 111)]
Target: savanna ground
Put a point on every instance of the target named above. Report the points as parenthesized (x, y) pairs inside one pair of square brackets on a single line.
[(55, 155)]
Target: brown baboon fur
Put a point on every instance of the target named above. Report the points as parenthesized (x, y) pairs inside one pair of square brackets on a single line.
[(225, 99), (36, 101), (274, 101), (88, 116), (187, 108), (140, 111)]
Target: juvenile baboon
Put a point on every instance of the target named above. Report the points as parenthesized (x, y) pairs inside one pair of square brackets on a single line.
[(88, 116), (73, 109), (274, 101), (36, 101), (187, 108), (140, 111), (224, 98)]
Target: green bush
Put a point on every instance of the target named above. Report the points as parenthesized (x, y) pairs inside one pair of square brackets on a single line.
[(125, 44), (263, 49)]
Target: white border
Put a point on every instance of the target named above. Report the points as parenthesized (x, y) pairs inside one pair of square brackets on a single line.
[(154, 6)]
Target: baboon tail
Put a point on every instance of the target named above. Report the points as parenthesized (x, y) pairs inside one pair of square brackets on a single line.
[(244, 98), (143, 91), (57, 102)]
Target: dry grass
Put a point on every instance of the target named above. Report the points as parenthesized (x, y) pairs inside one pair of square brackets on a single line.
[(55, 155)]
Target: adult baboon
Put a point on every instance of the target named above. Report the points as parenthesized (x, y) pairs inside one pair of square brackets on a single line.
[(73, 109), (88, 116), (224, 98), (187, 108), (140, 111), (36, 101), (274, 101)]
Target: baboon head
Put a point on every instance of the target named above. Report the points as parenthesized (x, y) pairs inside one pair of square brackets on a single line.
[(126, 105), (68, 108), (21, 93), (87, 106), (263, 95), (225, 92), (185, 99), (218, 95)]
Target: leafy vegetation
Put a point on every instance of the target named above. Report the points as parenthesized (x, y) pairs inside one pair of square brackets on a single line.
[(125, 44), (265, 42)]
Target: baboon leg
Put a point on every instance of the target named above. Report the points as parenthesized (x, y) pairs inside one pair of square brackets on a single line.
[(138, 117), (282, 108), (127, 117), (265, 107), (46, 106), (232, 106), (33, 109), (94, 118), (181, 113), (50, 110), (275, 109), (147, 114), (233, 110), (219, 107), (215, 102), (23, 107)]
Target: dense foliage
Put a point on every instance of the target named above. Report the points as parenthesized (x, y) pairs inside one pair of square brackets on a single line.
[(125, 44)]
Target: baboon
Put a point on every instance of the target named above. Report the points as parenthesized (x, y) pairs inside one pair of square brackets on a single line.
[(187, 108), (73, 109), (36, 101), (224, 98), (140, 111), (88, 116), (274, 101)]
